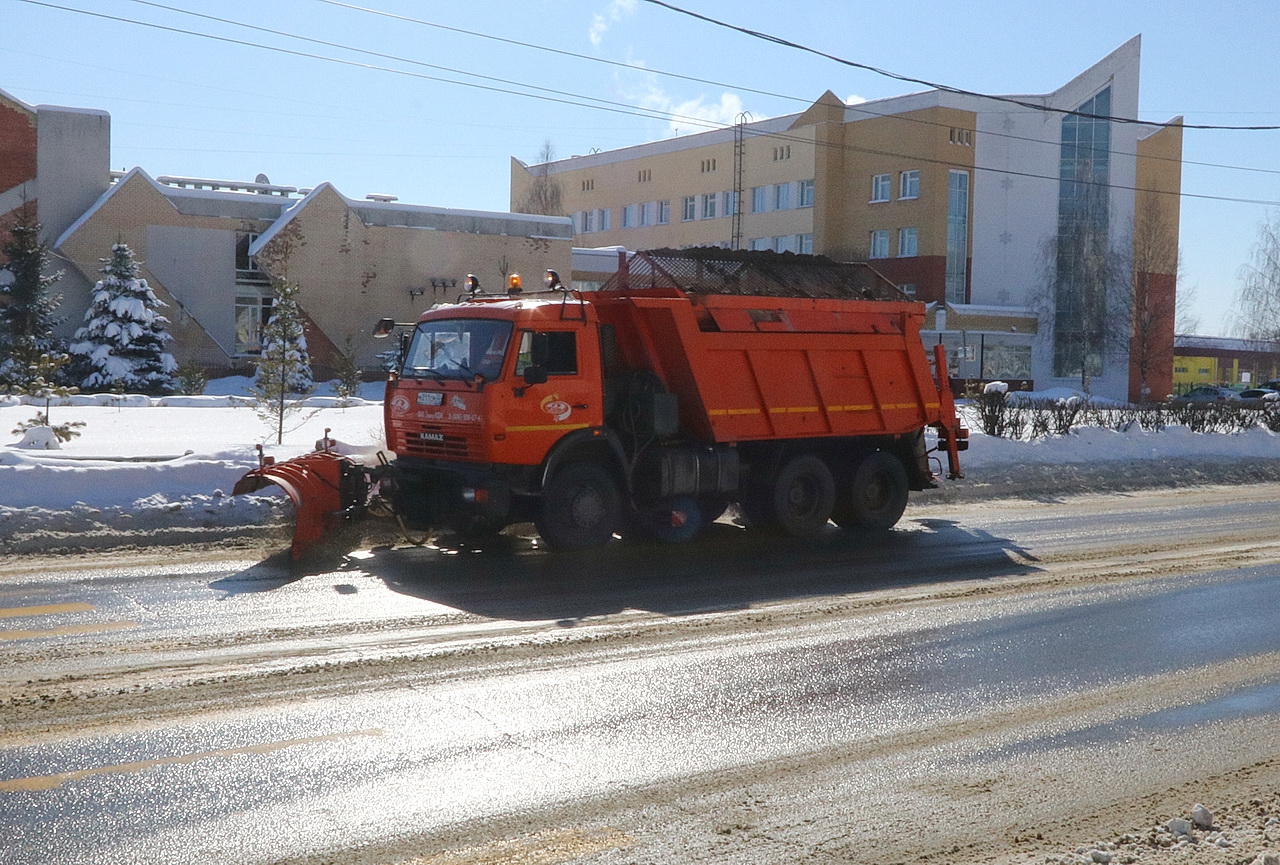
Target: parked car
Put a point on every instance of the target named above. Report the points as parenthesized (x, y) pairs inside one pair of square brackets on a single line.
[(1267, 393), (1207, 393)]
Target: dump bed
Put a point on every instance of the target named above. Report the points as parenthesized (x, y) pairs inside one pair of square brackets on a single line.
[(752, 367)]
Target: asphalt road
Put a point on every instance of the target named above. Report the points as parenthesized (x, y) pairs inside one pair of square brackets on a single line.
[(981, 676)]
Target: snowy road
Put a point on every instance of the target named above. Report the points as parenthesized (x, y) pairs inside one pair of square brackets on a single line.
[(985, 674)]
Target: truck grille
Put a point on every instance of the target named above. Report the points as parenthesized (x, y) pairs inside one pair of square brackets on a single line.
[(435, 444)]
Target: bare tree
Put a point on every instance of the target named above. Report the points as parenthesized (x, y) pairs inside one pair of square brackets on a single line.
[(1186, 315), (1154, 251), (1255, 313), (545, 196)]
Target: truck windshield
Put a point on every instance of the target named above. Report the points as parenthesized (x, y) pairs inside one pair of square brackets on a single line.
[(458, 348)]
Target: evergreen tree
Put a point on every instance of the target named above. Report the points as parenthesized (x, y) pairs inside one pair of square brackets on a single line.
[(284, 367), (122, 340), (27, 306)]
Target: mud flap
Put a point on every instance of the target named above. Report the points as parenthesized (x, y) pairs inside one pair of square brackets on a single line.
[(325, 488)]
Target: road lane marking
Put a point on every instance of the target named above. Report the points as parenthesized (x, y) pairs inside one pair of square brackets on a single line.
[(46, 610), (67, 630), (40, 783)]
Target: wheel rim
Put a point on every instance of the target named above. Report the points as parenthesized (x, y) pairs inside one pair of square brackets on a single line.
[(587, 507), (875, 496), (802, 496)]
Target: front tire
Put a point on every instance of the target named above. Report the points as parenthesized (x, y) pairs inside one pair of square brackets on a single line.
[(581, 507)]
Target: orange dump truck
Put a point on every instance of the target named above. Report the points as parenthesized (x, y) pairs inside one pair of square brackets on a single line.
[(793, 387)]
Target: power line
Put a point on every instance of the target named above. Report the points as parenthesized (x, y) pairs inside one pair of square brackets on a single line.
[(604, 105), (653, 113), (898, 117), (944, 87), (560, 97), (560, 51)]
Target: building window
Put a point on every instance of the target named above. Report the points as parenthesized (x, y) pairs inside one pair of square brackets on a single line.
[(957, 236), (646, 212), (602, 220), (588, 185), (247, 270), (880, 186), (963, 137), (781, 153), (629, 216), (664, 212), (588, 223), (908, 288), (806, 193), (804, 244), (759, 199), (1080, 304), (730, 198), (688, 208), (782, 196), (709, 205), (879, 244), (909, 184), (908, 242), (644, 175), (252, 312), (760, 243), (708, 165)]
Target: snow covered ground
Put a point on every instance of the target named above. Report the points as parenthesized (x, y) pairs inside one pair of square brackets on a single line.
[(161, 470)]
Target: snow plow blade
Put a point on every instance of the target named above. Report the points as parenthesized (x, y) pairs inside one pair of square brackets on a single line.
[(326, 489)]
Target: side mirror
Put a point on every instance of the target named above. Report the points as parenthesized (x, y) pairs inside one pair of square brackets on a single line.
[(535, 374), (383, 328)]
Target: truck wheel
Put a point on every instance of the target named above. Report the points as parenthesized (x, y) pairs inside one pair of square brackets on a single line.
[(581, 507), (877, 495), (803, 495), (670, 521)]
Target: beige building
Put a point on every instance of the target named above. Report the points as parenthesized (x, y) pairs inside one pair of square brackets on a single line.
[(201, 245), (957, 199)]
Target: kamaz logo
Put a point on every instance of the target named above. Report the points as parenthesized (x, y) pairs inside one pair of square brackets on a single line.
[(432, 437)]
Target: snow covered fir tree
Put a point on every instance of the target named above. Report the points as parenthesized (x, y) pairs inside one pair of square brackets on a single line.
[(284, 364), (27, 303), (122, 343), (284, 367)]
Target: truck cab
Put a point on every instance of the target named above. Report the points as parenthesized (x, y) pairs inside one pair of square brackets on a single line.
[(488, 393)]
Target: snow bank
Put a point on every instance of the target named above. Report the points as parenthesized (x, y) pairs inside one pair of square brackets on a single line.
[(143, 466)]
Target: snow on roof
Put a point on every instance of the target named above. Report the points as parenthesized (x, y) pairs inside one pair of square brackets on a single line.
[(768, 126), (425, 217), (4, 94)]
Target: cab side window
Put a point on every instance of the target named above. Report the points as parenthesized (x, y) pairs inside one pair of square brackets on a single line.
[(562, 353), (557, 350)]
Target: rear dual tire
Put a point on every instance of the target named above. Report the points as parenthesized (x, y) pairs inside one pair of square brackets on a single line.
[(797, 501), (877, 494)]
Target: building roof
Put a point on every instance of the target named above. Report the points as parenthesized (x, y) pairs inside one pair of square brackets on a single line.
[(1224, 343)]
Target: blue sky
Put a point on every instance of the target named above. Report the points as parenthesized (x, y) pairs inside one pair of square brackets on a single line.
[(437, 120)]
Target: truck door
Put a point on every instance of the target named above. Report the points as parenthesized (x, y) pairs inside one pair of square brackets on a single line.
[(569, 398)]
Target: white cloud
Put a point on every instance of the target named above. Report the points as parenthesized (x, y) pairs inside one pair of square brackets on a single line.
[(601, 22), (854, 100), (686, 115)]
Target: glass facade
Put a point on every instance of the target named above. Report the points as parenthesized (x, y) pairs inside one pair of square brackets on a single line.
[(957, 236), (1082, 268)]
